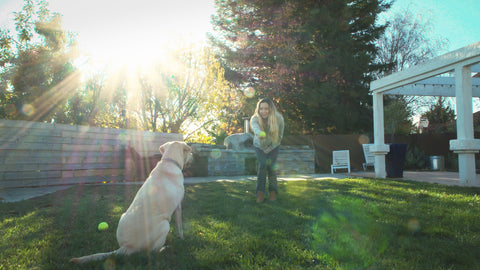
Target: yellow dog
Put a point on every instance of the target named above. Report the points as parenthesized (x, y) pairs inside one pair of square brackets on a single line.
[(146, 223)]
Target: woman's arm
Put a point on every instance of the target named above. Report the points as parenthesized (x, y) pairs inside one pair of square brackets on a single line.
[(255, 125)]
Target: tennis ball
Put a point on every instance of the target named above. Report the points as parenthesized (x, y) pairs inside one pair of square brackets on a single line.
[(262, 134), (102, 226)]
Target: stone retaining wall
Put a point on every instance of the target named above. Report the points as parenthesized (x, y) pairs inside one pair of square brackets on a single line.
[(43, 154), (218, 161)]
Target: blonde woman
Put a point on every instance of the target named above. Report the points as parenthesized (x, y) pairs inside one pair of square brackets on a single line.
[(267, 125)]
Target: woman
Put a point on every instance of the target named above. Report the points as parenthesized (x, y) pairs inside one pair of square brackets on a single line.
[(267, 126)]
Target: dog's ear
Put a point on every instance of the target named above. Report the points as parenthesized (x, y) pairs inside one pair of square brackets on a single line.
[(187, 148), (162, 148)]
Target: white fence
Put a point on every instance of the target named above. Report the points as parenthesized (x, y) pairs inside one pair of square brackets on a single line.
[(41, 154)]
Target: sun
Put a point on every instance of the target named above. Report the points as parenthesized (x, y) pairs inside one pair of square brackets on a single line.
[(125, 45), (136, 58), (133, 33), (118, 52)]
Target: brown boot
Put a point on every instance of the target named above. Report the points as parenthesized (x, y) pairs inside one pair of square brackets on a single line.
[(260, 196), (272, 196)]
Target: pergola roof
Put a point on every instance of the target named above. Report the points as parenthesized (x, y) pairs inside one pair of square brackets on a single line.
[(432, 78), (446, 75)]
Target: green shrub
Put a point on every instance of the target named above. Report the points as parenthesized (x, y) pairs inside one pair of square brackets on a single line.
[(415, 159)]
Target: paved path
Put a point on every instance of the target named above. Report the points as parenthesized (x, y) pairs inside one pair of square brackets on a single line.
[(20, 194), (438, 177), (433, 177)]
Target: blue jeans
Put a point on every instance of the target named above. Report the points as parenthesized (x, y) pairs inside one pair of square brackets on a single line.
[(267, 165)]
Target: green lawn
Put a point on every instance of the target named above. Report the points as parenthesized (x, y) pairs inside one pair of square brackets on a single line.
[(325, 224)]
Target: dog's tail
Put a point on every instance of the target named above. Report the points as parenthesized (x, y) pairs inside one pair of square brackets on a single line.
[(93, 257)]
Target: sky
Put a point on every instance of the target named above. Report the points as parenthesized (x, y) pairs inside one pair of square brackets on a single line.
[(111, 28), (458, 21), (103, 24)]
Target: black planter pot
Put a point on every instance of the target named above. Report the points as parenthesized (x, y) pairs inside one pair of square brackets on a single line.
[(395, 160)]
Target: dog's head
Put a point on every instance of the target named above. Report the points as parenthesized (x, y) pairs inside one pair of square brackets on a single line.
[(177, 147)]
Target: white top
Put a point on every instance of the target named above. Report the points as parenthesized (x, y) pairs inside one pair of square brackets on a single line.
[(266, 144)]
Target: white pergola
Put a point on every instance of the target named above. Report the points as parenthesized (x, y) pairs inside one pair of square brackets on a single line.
[(429, 79)]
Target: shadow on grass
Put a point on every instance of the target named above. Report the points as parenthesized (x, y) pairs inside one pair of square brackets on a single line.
[(327, 224)]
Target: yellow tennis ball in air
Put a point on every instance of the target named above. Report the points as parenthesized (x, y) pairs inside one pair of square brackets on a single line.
[(262, 134), (102, 226)]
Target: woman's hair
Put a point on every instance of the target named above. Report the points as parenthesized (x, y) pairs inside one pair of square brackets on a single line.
[(270, 126)]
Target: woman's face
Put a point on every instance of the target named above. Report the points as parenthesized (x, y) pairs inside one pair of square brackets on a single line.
[(264, 110)]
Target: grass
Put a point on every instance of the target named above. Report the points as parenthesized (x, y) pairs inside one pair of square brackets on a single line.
[(325, 224)]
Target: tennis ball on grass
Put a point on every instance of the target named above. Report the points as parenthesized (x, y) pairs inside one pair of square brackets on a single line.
[(102, 226), (262, 134)]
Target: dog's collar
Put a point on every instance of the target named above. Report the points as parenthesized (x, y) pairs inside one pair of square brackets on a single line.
[(173, 161)]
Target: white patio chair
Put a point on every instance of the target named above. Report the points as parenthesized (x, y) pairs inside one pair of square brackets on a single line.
[(369, 157), (340, 160)]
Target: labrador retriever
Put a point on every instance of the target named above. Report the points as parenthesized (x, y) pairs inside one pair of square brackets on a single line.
[(146, 223)]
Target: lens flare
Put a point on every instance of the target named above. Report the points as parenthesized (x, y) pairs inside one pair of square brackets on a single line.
[(269, 162), (122, 137), (215, 154), (363, 139), (275, 167), (413, 225), (27, 109), (109, 264), (249, 92)]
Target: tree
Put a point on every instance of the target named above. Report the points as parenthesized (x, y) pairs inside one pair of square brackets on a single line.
[(187, 93), (6, 59), (312, 57), (406, 42), (37, 67), (441, 118), (92, 104), (398, 120)]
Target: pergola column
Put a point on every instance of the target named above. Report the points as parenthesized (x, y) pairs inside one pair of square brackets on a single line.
[(465, 145), (379, 148)]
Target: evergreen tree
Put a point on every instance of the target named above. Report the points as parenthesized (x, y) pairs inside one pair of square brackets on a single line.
[(441, 118), (313, 57)]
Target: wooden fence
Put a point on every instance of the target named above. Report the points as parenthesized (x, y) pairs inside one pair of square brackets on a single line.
[(42, 154), (426, 144)]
